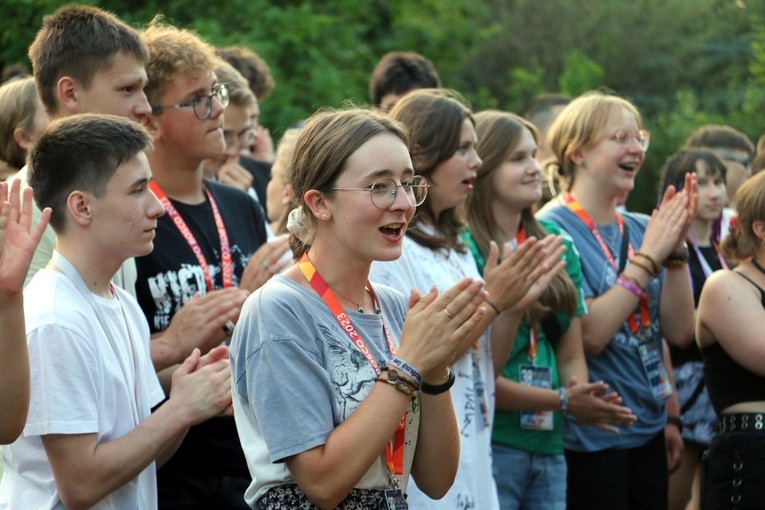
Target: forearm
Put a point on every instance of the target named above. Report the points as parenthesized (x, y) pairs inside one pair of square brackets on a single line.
[(164, 351), (14, 377), (327, 473), (570, 355), (677, 308), (503, 333), (169, 450), (438, 446), (86, 472), (606, 313), (514, 396)]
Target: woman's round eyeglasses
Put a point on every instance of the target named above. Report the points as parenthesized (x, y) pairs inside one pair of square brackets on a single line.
[(201, 105), (383, 191), (641, 136)]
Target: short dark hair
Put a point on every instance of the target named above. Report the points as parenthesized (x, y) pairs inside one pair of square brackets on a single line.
[(78, 41), (539, 112), (398, 72), (81, 152), (720, 136), (254, 69)]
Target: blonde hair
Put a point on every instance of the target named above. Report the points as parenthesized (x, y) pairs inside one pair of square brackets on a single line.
[(499, 133), (579, 124), (281, 167), (18, 105), (174, 51)]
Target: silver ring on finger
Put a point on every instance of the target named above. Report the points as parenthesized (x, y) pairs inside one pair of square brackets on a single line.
[(266, 265), (448, 314)]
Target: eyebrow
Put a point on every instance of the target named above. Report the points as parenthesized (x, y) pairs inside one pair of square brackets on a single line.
[(141, 181), (385, 172)]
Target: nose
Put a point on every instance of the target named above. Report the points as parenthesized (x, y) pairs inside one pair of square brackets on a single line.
[(475, 160), (142, 108), (401, 200), (155, 209), (217, 107)]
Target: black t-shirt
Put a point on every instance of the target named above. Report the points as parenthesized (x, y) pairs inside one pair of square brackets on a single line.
[(261, 174), (170, 275)]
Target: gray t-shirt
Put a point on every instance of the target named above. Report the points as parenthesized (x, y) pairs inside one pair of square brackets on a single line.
[(297, 375)]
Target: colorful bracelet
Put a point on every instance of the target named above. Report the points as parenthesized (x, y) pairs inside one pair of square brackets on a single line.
[(650, 259), (436, 389), (563, 400), (406, 368), (492, 305), (643, 267), (630, 286)]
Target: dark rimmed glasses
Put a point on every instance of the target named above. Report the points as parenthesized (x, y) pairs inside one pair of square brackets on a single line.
[(641, 136), (383, 191), (201, 105), (242, 139)]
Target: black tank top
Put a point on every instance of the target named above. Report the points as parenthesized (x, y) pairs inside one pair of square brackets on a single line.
[(728, 382)]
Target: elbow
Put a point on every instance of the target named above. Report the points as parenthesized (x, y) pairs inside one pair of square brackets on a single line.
[(76, 498), (438, 490), (11, 429), (324, 496), (593, 346)]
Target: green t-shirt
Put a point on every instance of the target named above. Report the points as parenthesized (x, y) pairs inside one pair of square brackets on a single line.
[(507, 424)]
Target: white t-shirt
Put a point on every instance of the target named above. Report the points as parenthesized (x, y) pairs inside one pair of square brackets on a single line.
[(81, 383), (421, 268)]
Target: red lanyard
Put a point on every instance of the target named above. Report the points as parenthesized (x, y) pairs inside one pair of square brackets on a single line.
[(577, 209), (394, 455), (227, 270)]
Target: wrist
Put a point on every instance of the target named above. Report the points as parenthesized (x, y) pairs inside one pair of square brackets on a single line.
[(438, 387), (676, 421), (677, 259), (563, 396)]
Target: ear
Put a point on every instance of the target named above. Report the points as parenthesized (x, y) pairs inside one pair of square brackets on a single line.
[(79, 208), (23, 138), (287, 194), (758, 227), (317, 203), (67, 92), (576, 157)]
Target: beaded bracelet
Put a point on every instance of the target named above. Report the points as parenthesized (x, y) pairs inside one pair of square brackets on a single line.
[(630, 286), (643, 267), (650, 259), (406, 368), (677, 259), (395, 375), (400, 385)]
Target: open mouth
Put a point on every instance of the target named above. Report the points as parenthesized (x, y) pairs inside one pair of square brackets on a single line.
[(392, 230), (629, 167)]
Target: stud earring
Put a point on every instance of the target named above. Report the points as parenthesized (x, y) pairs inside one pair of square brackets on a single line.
[(324, 216)]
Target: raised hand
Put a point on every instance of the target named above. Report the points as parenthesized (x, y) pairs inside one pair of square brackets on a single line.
[(202, 385), (436, 327), (267, 261), (233, 174), (669, 224), (18, 239)]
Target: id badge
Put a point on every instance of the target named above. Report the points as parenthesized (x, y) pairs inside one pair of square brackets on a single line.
[(538, 377), (395, 500), (654, 369)]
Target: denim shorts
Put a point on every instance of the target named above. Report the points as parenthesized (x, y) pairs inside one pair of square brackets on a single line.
[(526, 481)]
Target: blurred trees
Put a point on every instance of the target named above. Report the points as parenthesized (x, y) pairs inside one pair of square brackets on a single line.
[(682, 62)]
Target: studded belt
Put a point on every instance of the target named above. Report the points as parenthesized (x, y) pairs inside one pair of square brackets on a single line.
[(742, 422)]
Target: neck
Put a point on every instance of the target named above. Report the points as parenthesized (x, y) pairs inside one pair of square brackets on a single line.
[(348, 278), (600, 206), (95, 267), (180, 178), (508, 218), (701, 232)]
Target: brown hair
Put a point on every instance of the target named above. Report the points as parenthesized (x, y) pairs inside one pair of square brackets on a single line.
[(499, 133), (398, 72), (580, 124), (720, 136), (239, 92), (18, 105), (254, 69), (78, 41), (325, 144), (174, 51), (434, 119), (741, 241), (80, 152)]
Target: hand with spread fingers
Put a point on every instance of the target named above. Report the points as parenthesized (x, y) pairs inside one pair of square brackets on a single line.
[(593, 404), (436, 327), (523, 274)]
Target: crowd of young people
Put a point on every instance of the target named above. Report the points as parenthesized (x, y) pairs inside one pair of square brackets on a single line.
[(434, 336)]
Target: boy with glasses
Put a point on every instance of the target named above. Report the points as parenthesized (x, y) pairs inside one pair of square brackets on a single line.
[(205, 243)]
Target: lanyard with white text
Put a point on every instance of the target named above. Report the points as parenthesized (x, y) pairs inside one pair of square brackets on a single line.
[(577, 209), (394, 455), (226, 263)]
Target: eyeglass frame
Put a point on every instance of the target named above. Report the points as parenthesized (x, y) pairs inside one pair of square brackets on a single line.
[(223, 99), (634, 135), (394, 193), (241, 139), (744, 161)]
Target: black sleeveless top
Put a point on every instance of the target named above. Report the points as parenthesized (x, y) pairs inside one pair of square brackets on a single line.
[(728, 382)]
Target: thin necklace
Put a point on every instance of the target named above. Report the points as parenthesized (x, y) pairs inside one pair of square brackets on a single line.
[(357, 304)]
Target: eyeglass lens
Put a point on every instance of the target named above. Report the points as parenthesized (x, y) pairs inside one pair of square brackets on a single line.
[(384, 191)]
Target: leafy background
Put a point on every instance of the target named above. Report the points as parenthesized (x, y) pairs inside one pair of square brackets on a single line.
[(682, 62)]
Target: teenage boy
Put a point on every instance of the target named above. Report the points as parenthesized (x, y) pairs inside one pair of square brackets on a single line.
[(91, 440), (17, 244), (85, 60), (397, 73), (205, 242)]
